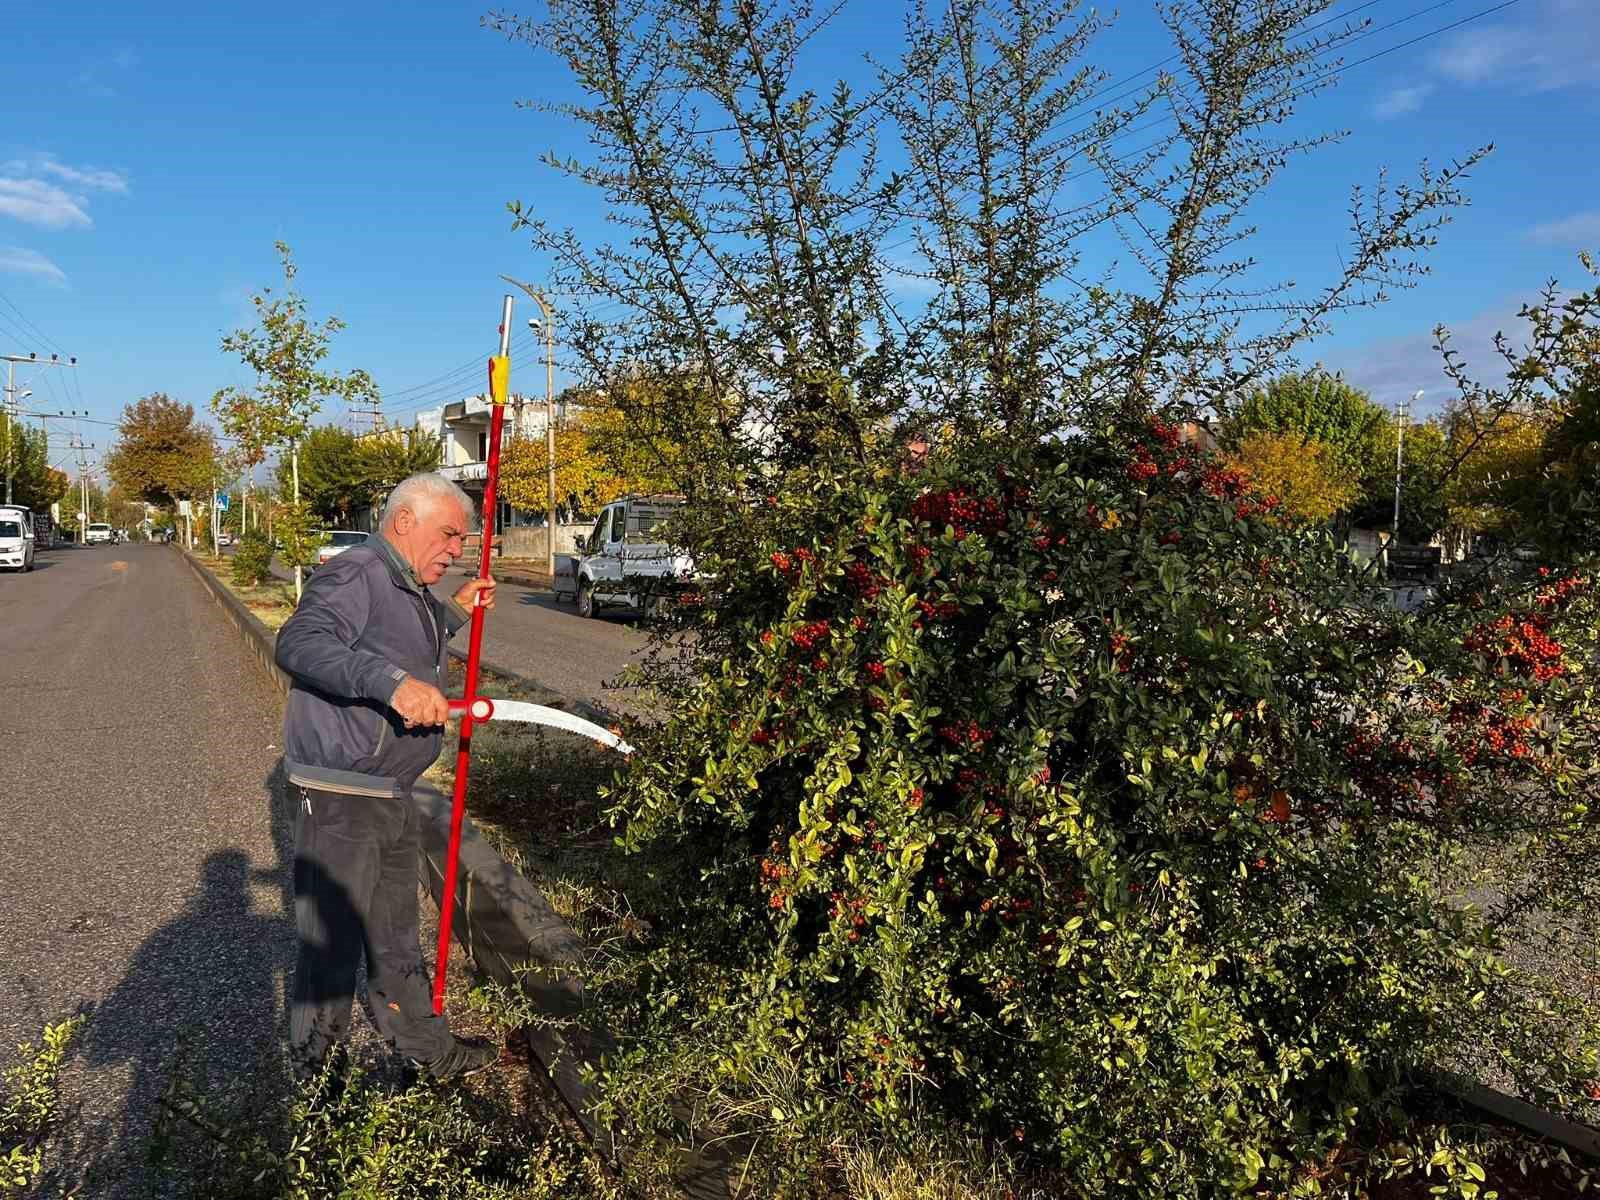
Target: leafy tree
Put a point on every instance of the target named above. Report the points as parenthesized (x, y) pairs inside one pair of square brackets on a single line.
[(386, 458), (600, 455), (1481, 494), (162, 453), (331, 477), (1322, 407), (285, 349), (1550, 499), (34, 483), (1299, 471)]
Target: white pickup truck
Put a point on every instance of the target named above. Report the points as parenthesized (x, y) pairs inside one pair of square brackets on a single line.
[(623, 562)]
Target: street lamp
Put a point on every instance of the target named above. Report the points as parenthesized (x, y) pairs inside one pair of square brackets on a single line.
[(1399, 451)]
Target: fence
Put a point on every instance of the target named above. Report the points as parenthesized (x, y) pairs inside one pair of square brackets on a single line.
[(528, 541)]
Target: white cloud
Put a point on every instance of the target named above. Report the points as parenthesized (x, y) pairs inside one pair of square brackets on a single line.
[(101, 179), (39, 203), (1397, 102), (42, 190), (1555, 46), (1580, 231), (17, 260)]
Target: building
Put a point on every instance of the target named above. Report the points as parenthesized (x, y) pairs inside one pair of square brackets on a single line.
[(461, 428)]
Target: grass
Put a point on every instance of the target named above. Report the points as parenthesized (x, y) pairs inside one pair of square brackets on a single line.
[(272, 601)]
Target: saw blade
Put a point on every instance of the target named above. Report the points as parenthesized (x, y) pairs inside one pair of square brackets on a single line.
[(539, 714)]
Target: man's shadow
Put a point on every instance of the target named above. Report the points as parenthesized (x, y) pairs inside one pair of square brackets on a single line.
[(202, 1003)]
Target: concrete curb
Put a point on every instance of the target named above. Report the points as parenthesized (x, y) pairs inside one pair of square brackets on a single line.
[(258, 639), (1518, 1112)]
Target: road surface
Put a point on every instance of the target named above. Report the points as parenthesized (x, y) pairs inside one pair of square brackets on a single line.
[(144, 877)]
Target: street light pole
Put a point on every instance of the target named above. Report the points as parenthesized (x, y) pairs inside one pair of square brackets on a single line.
[(1399, 452), (549, 423)]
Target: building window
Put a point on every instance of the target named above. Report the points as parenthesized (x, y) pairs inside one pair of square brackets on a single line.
[(483, 447)]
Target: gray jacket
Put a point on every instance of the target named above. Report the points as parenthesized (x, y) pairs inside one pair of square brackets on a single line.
[(363, 624)]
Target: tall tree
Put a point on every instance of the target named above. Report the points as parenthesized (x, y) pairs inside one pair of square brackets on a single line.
[(285, 349), (386, 458), (34, 484), (162, 453), (331, 482), (1319, 406)]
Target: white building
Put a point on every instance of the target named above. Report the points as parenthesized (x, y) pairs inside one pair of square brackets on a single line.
[(461, 428)]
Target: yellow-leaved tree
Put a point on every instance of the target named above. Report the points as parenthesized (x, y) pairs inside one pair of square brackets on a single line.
[(1299, 470)]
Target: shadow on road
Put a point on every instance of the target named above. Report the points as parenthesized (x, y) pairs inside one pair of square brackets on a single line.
[(200, 1006)]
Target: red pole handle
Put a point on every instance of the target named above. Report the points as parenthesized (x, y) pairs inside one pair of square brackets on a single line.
[(469, 704)]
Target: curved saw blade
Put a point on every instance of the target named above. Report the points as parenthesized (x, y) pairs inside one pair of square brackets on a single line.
[(538, 714)]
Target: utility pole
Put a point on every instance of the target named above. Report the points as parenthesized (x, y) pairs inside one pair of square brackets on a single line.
[(11, 361)]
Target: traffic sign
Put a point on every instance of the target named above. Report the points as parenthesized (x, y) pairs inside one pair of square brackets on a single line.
[(222, 501)]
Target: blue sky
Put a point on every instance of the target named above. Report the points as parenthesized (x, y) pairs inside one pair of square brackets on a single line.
[(152, 152)]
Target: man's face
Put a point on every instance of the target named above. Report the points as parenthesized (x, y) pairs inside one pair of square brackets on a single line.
[(430, 537)]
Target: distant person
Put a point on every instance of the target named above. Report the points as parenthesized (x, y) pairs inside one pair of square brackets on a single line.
[(368, 652)]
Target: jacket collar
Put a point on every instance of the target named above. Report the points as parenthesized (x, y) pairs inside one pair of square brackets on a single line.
[(402, 571)]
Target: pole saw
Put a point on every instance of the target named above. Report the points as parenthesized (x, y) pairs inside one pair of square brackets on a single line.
[(472, 708)]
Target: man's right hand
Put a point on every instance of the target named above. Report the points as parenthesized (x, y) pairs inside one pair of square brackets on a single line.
[(419, 703)]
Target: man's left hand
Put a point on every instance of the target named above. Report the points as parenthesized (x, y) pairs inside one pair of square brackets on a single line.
[(479, 591)]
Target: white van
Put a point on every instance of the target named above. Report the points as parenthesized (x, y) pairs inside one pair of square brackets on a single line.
[(16, 539), (97, 532)]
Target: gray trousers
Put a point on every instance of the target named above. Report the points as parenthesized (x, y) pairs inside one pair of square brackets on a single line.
[(355, 893)]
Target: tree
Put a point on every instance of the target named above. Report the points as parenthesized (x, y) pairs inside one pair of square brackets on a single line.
[(34, 483), (1322, 407), (385, 459), (162, 454), (331, 477), (1299, 471), (1550, 498), (285, 349), (600, 455)]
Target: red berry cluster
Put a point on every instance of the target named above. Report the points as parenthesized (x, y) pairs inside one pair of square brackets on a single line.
[(807, 636), (1122, 651), (1142, 468), (773, 874), (1559, 593), (944, 610), (863, 581), (874, 670), (1165, 433), (960, 510), (1524, 646), (791, 564), (1171, 538), (1223, 483), (966, 733)]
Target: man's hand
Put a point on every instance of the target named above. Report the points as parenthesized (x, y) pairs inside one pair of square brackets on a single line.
[(419, 703), (480, 591)]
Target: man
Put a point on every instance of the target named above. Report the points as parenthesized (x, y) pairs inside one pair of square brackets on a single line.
[(367, 650)]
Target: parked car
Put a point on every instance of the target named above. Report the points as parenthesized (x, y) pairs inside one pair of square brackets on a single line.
[(16, 539), (340, 540), (624, 561), (97, 533), (225, 538)]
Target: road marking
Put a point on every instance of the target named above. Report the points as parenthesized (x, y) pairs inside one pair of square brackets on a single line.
[(119, 565)]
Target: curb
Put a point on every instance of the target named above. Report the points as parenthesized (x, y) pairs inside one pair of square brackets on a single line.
[(1534, 1119)]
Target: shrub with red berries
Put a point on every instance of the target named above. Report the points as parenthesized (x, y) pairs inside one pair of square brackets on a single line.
[(1080, 793)]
